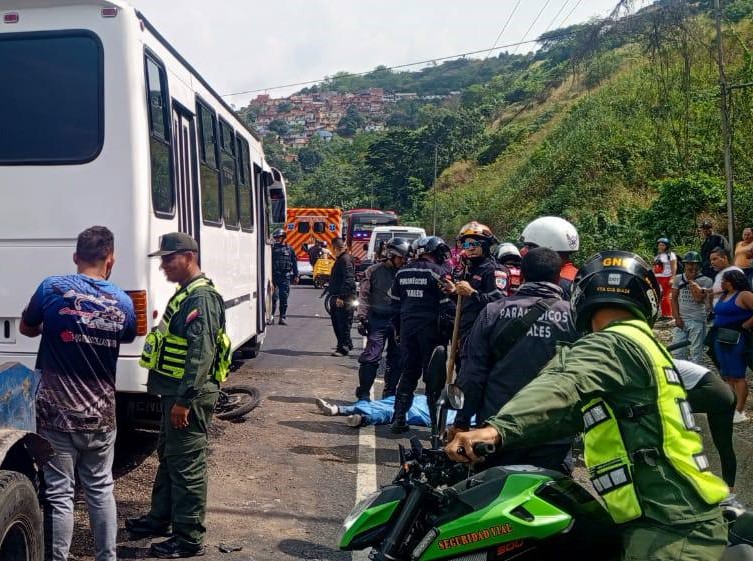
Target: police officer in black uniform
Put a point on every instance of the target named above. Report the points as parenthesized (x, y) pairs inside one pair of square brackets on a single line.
[(375, 320), (419, 305), (498, 361), (482, 280), (342, 293), (284, 269)]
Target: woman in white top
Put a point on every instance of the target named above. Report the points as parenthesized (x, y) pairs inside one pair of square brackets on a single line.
[(665, 268), (744, 250)]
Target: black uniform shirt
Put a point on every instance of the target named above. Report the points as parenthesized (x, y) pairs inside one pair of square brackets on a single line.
[(342, 282), (490, 283), (284, 261), (417, 295), (487, 384)]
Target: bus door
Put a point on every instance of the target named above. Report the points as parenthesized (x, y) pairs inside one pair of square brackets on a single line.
[(184, 162), (262, 231)]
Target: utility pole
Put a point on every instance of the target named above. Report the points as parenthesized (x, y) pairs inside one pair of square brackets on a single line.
[(434, 225), (726, 132)]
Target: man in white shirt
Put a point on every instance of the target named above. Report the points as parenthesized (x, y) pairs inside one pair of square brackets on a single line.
[(720, 261)]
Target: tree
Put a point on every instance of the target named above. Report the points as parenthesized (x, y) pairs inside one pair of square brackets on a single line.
[(279, 126), (309, 159), (350, 123)]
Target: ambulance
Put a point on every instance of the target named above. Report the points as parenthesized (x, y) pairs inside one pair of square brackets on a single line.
[(304, 226)]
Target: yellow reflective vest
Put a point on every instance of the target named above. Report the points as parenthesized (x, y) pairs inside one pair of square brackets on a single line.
[(165, 352), (609, 461)]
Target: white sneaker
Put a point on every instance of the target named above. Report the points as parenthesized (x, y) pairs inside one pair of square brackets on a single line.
[(326, 408), (355, 420), (739, 417)]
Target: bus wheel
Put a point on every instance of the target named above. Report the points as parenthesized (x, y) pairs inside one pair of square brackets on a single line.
[(235, 402), (20, 519)]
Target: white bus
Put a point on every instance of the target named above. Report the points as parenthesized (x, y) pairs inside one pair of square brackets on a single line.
[(103, 122)]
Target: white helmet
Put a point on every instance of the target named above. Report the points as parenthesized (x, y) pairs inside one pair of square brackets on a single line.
[(553, 232), (507, 251)]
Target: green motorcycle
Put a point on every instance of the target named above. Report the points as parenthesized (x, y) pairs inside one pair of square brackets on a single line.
[(433, 510)]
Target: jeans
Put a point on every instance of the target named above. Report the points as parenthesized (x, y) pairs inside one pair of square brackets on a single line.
[(695, 331), (91, 455)]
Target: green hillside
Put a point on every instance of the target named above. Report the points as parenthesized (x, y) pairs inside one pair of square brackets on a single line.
[(613, 125)]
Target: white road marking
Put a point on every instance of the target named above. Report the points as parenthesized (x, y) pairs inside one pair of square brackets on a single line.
[(366, 477)]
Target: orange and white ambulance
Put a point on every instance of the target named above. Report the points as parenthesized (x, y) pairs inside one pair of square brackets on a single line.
[(304, 226)]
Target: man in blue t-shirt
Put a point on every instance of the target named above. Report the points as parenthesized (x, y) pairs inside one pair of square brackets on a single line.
[(83, 319)]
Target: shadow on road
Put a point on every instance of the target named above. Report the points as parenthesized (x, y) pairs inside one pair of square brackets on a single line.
[(307, 550), (294, 352), (291, 399), (302, 316), (132, 447), (347, 454), (329, 426)]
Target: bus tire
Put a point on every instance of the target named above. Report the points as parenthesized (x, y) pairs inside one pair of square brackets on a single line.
[(235, 402), (20, 519)]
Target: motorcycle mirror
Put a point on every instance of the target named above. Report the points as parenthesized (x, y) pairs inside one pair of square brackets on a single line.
[(436, 370), (455, 396)]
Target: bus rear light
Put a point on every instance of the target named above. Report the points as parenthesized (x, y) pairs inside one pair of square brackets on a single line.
[(11, 17), (109, 12), (139, 306)]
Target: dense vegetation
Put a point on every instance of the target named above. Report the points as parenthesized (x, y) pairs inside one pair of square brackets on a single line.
[(614, 125)]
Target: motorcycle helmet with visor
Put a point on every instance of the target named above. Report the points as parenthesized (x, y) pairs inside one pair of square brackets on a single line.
[(615, 279)]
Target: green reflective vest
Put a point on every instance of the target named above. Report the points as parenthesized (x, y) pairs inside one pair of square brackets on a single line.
[(608, 459), (165, 353)]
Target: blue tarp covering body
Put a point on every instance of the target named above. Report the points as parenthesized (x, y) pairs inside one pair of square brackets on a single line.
[(380, 412), (18, 391)]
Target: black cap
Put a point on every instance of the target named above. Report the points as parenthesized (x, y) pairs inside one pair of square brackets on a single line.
[(175, 242), (707, 224)]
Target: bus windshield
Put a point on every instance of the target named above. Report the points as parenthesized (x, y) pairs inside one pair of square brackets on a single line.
[(54, 84)]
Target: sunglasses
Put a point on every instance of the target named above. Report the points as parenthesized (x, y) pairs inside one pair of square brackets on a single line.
[(471, 244)]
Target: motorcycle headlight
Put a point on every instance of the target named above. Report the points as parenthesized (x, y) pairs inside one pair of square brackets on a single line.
[(357, 511)]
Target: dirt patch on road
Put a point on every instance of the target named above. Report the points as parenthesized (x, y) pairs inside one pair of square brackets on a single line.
[(268, 475)]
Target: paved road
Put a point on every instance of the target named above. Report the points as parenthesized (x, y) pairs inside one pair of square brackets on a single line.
[(282, 481)]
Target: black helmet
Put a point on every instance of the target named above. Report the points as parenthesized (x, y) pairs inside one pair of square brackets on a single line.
[(665, 241), (279, 233), (432, 245), (615, 278), (396, 247)]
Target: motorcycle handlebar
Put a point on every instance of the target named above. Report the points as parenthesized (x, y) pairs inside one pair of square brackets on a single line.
[(480, 449)]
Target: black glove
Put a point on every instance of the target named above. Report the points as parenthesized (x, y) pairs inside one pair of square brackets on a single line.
[(363, 326)]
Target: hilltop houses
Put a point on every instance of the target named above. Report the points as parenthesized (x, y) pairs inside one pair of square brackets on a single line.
[(319, 113)]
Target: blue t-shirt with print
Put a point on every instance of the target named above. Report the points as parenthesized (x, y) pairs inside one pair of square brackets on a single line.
[(84, 321)]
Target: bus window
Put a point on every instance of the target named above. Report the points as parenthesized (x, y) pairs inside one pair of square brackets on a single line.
[(319, 227), (208, 171), (52, 97), (304, 227), (245, 198), (163, 193), (229, 182)]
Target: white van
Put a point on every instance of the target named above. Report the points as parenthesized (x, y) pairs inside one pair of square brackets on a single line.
[(383, 234)]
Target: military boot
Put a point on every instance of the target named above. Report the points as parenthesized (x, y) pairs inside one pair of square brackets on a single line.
[(402, 404), (366, 375)]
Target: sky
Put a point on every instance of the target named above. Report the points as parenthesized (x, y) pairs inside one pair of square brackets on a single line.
[(241, 45)]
